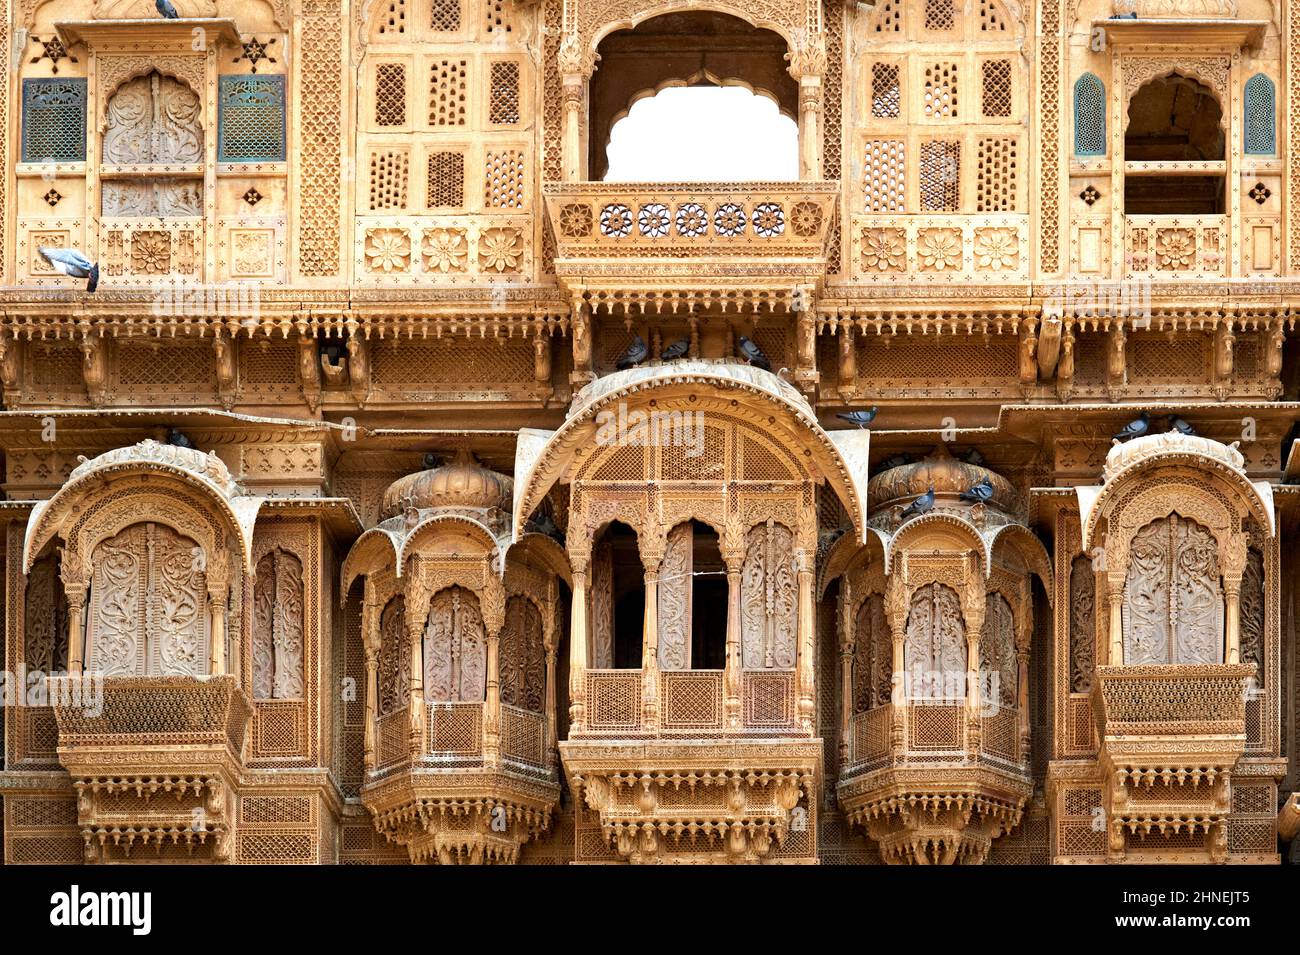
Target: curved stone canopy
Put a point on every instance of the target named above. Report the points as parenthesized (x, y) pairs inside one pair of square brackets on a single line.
[(1126, 459), (205, 473), (542, 458), (460, 483), (947, 475)]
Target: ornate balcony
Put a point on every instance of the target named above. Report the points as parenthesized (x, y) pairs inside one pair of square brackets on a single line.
[(1170, 737), (472, 789), (1176, 247), (690, 237), (935, 782), (155, 768)]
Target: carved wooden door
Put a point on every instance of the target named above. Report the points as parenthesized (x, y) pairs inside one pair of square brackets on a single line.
[(523, 656), (998, 650), (45, 619), (769, 599), (674, 607), (873, 663), (1173, 599), (394, 658), (153, 119), (278, 627), (455, 649), (602, 607), (934, 645), (1252, 613), (148, 605)]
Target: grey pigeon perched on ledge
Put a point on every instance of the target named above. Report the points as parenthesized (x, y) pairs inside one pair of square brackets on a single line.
[(860, 418), (677, 349), (753, 354), (72, 263), (636, 353), (978, 493), (1181, 426), (1136, 428), (165, 9), (922, 505)]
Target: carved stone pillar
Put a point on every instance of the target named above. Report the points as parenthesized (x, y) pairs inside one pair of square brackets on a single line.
[(896, 614), (224, 361), (415, 621), (492, 702), (576, 67), (848, 369), (75, 593), (1233, 561), (372, 692), (650, 644), (1028, 356), (1022, 702), (578, 646), (542, 359), (1115, 606), (94, 368), (847, 645), (733, 675), (806, 639), (359, 368), (807, 65), (581, 339), (218, 597), (548, 692), (974, 702), (1065, 367)]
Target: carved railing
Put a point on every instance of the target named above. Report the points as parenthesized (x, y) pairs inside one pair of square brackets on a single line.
[(1176, 247), (1172, 701), (162, 711), (523, 736), (148, 251), (889, 249), (934, 732), (453, 731), (613, 701), (690, 702), (682, 227), (392, 738), (450, 250)]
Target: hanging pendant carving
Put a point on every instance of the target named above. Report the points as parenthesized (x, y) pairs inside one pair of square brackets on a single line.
[(394, 658), (455, 649), (934, 647), (675, 600), (278, 627), (1173, 598), (769, 598), (523, 656), (148, 605)]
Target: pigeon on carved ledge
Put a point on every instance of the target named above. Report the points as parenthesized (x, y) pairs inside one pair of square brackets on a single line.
[(753, 354), (73, 264), (636, 353), (165, 9), (978, 493), (677, 349), (860, 418), (178, 439), (922, 505), (1181, 426), (1136, 428)]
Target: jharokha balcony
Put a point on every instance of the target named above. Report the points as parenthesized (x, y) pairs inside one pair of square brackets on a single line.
[(616, 240), (155, 762)]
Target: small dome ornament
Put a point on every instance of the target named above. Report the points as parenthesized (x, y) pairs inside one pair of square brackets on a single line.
[(950, 479), (459, 485)]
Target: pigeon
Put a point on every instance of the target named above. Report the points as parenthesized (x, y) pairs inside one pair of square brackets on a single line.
[(1182, 427), (978, 493), (860, 418), (636, 353), (922, 505), (72, 263), (178, 439), (544, 524), (677, 349), (974, 457), (1136, 428), (430, 460), (753, 354), (165, 9)]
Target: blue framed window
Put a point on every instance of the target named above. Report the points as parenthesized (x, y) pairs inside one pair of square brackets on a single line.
[(54, 120), (1261, 110), (250, 119), (1089, 116)]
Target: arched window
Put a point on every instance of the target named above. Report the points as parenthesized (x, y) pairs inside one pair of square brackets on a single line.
[(278, 627), (148, 605), (873, 662), (1176, 121), (455, 649), (617, 600), (934, 647), (1089, 116), (692, 607), (523, 656), (1173, 597), (1260, 109), (394, 658), (154, 119)]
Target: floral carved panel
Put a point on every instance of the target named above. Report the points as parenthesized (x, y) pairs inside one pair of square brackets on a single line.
[(769, 598), (278, 627), (455, 648), (872, 656), (602, 608), (934, 644), (523, 656), (153, 119), (1173, 600), (1253, 613), (675, 600), (998, 649), (394, 658), (1083, 631), (45, 619)]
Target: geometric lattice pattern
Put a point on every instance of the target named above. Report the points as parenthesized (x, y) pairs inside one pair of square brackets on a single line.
[(389, 171), (940, 175), (886, 96), (447, 92), (54, 120), (444, 15), (390, 94), (251, 121), (503, 107), (1260, 109), (884, 182), (503, 185), (446, 174), (996, 88), (940, 92), (996, 182), (1089, 116)]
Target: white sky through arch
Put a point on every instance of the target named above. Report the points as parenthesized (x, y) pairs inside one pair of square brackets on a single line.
[(703, 134)]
